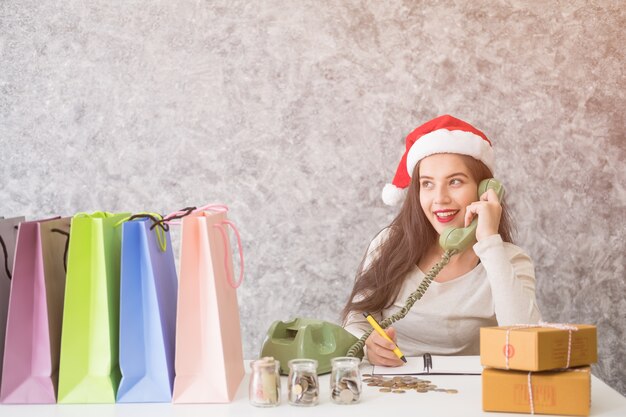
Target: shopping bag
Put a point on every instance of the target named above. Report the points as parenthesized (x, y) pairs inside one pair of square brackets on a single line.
[(33, 334), (88, 369), (148, 293), (8, 234), (209, 356)]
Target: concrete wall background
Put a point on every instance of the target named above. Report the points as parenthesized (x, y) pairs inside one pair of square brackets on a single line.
[(294, 114)]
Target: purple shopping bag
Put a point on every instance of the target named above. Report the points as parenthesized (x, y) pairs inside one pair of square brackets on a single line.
[(33, 335), (8, 233)]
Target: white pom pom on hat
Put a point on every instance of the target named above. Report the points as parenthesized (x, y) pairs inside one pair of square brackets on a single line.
[(393, 195), (444, 134)]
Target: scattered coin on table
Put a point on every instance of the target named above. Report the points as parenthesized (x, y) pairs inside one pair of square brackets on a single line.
[(401, 384)]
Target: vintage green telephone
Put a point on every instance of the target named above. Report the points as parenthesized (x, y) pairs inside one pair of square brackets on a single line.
[(306, 338), (287, 340)]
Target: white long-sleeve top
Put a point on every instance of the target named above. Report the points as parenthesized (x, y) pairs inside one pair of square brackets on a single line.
[(499, 291)]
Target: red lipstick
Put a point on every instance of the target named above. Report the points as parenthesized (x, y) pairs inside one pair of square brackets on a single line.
[(445, 216)]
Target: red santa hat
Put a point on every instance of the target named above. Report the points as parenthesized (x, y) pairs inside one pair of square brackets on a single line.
[(444, 134)]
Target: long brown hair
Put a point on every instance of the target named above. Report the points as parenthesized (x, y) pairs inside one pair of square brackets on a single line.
[(410, 236)]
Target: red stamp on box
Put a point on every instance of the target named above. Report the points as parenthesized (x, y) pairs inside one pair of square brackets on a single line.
[(508, 351)]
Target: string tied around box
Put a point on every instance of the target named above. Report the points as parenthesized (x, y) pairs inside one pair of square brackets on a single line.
[(545, 325), (530, 387)]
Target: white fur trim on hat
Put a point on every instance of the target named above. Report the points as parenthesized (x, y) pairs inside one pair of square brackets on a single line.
[(450, 141), (392, 195)]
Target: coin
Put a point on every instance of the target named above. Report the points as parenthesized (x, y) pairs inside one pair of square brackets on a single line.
[(366, 374), (346, 396), (297, 389), (452, 391), (385, 390), (398, 391), (352, 385), (304, 381)]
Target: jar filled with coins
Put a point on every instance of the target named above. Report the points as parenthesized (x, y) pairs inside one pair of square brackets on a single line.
[(264, 388), (303, 383), (345, 380)]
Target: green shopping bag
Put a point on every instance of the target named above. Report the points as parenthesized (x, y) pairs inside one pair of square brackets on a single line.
[(88, 368)]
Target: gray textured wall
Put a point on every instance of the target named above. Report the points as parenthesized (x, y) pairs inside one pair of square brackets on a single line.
[(294, 114)]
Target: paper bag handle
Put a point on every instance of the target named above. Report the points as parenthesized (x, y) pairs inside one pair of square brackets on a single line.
[(157, 220), (67, 245), (6, 257), (170, 218), (229, 274)]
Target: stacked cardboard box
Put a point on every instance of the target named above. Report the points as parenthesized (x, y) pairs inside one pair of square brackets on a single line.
[(542, 369)]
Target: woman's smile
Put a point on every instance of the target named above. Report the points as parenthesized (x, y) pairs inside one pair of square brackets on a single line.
[(445, 216)]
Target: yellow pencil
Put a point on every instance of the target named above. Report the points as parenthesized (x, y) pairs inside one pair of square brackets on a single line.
[(381, 332)]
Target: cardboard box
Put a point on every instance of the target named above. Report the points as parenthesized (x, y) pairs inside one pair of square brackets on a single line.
[(537, 348), (565, 392)]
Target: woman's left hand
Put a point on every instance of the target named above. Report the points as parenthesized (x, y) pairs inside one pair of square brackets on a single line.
[(488, 210)]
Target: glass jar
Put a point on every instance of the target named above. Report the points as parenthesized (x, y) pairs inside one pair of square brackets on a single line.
[(264, 387), (303, 383), (345, 380)]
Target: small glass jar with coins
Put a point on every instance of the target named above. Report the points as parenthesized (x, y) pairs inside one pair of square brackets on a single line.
[(264, 387), (345, 380), (303, 383)]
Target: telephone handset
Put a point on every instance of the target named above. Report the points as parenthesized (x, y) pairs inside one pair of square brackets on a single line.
[(460, 238)]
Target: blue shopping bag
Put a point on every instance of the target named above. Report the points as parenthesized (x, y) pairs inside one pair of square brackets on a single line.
[(148, 294)]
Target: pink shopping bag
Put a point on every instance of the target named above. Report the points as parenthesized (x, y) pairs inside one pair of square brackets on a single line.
[(209, 354), (8, 234), (33, 336)]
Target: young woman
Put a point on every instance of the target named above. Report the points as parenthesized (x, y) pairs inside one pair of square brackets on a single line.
[(489, 284)]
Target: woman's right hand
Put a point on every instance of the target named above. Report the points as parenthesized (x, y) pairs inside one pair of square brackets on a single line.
[(380, 350)]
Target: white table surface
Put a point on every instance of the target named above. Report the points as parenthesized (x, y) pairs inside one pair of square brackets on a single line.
[(468, 402)]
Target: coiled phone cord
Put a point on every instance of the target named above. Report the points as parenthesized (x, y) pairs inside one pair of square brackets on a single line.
[(416, 295)]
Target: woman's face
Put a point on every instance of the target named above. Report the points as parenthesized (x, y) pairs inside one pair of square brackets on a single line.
[(446, 189)]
